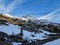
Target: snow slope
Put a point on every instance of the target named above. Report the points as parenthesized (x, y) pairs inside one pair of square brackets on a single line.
[(55, 42), (10, 29), (14, 28)]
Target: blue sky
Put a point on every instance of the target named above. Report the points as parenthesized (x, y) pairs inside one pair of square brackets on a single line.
[(29, 7)]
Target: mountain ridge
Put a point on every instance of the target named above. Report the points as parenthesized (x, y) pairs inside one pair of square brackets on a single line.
[(37, 30)]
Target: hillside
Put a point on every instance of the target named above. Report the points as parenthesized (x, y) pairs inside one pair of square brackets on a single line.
[(27, 29)]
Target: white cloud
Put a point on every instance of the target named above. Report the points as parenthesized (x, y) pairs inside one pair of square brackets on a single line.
[(10, 7), (50, 15), (2, 9), (13, 5)]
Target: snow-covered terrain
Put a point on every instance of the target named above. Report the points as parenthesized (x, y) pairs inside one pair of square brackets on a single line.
[(26, 34), (11, 28), (7, 15), (15, 29), (55, 42)]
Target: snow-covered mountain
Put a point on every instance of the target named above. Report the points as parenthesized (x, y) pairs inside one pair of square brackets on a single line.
[(29, 23), (10, 29), (11, 24), (7, 15), (26, 34)]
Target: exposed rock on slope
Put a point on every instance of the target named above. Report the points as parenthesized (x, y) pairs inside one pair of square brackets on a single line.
[(30, 23)]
